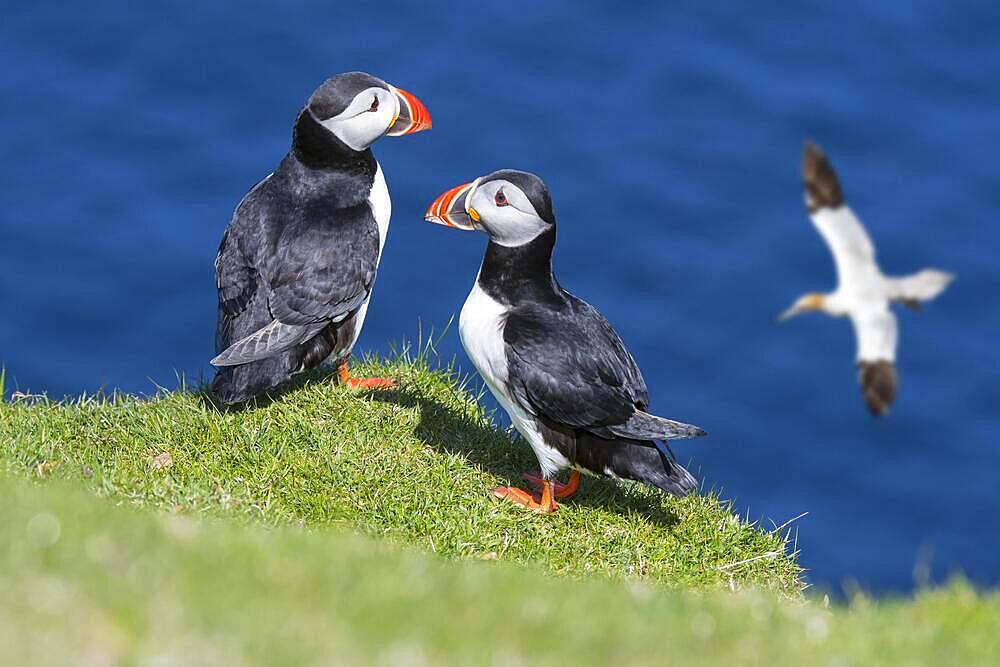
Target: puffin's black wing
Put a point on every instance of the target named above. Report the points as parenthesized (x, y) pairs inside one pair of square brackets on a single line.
[(242, 292), (320, 271), (237, 282), (569, 366)]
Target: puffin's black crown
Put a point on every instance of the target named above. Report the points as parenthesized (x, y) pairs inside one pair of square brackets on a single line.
[(338, 91), (532, 186)]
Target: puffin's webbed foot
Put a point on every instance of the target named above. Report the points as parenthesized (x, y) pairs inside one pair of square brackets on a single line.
[(535, 479), (543, 504), (344, 378)]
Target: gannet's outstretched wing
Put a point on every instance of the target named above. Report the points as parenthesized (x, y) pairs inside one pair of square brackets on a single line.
[(849, 243), (877, 333), (922, 286)]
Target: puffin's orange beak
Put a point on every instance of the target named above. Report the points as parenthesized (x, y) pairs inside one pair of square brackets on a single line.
[(451, 210), (413, 115)]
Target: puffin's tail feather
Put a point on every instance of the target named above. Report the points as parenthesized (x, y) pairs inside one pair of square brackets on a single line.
[(235, 385), (644, 426), (676, 481), (649, 466), (272, 339), (637, 461)]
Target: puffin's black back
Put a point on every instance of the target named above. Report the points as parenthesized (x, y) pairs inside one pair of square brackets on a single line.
[(299, 241)]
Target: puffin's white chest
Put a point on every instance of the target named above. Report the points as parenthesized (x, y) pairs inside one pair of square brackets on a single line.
[(381, 206), (480, 327)]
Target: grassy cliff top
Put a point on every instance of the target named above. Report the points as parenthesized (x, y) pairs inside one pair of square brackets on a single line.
[(333, 527), (414, 465)]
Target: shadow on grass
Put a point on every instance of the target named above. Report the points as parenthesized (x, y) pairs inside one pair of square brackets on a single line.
[(461, 432), (490, 449), (317, 375)]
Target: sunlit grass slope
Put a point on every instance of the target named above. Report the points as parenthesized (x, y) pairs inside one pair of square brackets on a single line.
[(413, 465), (87, 583)]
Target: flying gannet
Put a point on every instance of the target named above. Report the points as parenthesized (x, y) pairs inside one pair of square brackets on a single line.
[(863, 292)]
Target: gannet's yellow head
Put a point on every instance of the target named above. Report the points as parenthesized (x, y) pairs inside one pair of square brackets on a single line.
[(812, 301)]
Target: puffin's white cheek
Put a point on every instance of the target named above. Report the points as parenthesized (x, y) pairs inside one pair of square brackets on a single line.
[(514, 227), (366, 130), (360, 131)]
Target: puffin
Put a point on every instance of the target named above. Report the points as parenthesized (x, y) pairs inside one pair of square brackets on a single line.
[(297, 263), (863, 294), (551, 360)]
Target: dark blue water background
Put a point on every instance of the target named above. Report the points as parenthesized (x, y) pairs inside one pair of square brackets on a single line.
[(670, 139)]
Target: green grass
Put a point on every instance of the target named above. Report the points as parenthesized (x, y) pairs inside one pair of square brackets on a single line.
[(85, 582), (414, 465), (334, 527)]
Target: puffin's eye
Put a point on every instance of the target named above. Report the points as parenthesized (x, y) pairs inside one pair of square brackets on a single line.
[(374, 106), (500, 199)]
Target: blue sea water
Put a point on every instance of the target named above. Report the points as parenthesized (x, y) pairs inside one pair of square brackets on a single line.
[(670, 139)]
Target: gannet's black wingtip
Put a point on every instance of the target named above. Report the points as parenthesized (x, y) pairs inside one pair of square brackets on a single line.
[(879, 382), (820, 180)]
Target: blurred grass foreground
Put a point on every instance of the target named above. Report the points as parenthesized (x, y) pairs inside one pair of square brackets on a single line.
[(335, 527)]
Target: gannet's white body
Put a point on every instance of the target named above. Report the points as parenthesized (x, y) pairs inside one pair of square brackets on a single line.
[(864, 293)]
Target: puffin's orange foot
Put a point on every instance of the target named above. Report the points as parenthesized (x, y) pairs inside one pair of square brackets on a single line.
[(522, 498), (560, 490), (344, 378), (370, 383)]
